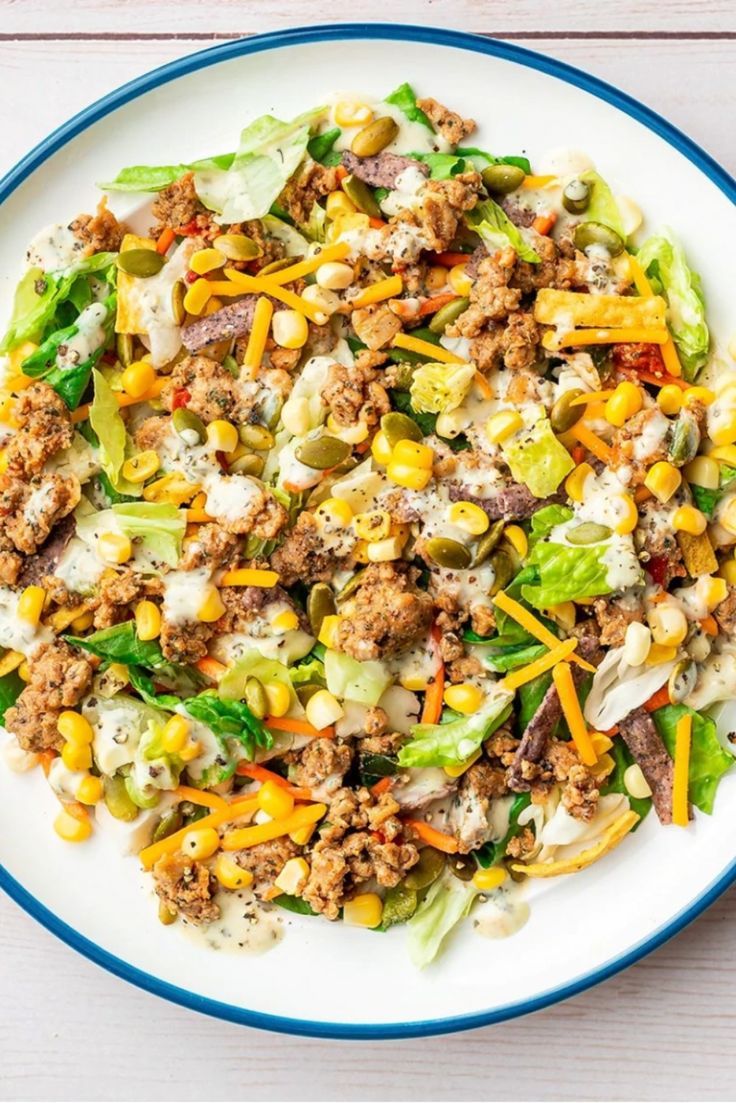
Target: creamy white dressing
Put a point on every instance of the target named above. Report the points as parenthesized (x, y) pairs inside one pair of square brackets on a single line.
[(117, 732), (17, 634), (286, 647), (149, 302), (37, 504), (79, 459), (185, 592), (79, 567), (54, 248), (401, 241), (90, 336), (411, 135), (63, 781), (652, 436), (229, 497), (407, 195), (244, 926), (502, 916)]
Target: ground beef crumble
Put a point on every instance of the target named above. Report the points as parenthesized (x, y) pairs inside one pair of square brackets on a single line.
[(354, 394), (186, 887), (44, 427), (385, 614), (59, 678)]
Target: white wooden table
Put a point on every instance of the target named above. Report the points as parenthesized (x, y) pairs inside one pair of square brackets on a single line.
[(662, 1030)]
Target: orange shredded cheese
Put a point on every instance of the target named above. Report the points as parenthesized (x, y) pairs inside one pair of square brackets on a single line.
[(534, 627), (525, 674), (565, 686), (683, 741)]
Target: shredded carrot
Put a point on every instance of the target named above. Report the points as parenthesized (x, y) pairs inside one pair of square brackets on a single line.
[(291, 488), (260, 773), (426, 348), (709, 625), (198, 796), (658, 700), (525, 674), (432, 708), (45, 758), (683, 741), (483, 385), (642, 494), (448, 844), (431, 306), (377, 223), (300, 727), (643, 286), (593, 443), (655, 380), (449, 260), (612, 731), (544, 223), (151, 854), (381, 786), (303, 816), (165, 241), (578, 453), (210, 667), (341, 172)]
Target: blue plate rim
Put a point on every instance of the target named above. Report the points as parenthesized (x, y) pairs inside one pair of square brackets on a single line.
[(257, 44)]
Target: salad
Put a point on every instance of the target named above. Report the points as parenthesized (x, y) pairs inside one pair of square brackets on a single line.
[(369, 510)]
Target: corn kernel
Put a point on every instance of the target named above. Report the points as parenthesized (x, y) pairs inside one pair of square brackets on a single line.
[(71, 829), (75, 728), (635, 783), (668, 625), (727, 571), (637, 642), (229, 874), (289, 329), (286, 621), (141, 467), (465, 697), (196, 297), (19, 354), (364, 910), (469, 517), (138, 378), (669, 399), (352, 113), (381, 449), (712, 590), (30, 604), (295, 416), (689, 519), (172, 488), (279, 698), (723, 432), (436, 278), (90, 790), (625, 401), (575, 481), (76, 756), (3, 461), (323, 709), (206, 260), (113, 547), (212, 608), (147, 620), (335, 275), (603, 767), (385, 551), (413, 453), (302, 835), (413, 478), (293, 876), (327, 302), (7, 412), (601, 742), (660, 653), (175, 734), (338, 205), (190, 750), (373, 525), (83, 622), (726, 453), (563, 614), (212, 305), (486, 880), (275, 801), (459, 281), (351, 434), (222, 436), (703, 471), (463, 767), (200, 843), (517, 538), (334, 511), (503, 425), (698, 395), (24, 671), (628, 514), (328, 631), (345, 224), (663, 480), (416, 683)]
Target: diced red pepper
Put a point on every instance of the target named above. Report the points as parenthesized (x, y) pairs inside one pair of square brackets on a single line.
[(658, 567), (180, 398), (189, 229), (638, 358), (191, 277)]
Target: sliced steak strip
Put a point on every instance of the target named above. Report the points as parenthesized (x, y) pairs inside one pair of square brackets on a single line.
[(380, 171), (45, 561), (640, 735), (514, 502)]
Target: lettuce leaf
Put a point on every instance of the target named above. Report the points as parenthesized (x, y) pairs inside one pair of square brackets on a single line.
[(11, 687), (159, 525), (491, 853), (230, 719), (663, 259), (321, 147), (120, 644), (614, 783), (481, 159), (708, 760), (252, 664), (453, 743), (310, 669), (447, 901), (405, 99), (109, 428), (602, 206), (152, 178), (496, 230), (537, 459), (356, 681), (566, 574), (546, 519)]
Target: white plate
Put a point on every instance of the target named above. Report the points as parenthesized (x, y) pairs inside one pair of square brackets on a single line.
[(322, 978)]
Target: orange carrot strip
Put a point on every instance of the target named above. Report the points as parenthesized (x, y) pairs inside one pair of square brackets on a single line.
[(301, 727), (381, 786), (448, 844), (593, 443), (150, 854), (449, 260), (341, 172), (197, 796), (210, 667), (656, 380), (658, 700), (709, 625), (45, 758), (432, 709), (483, 385), (165, 241), (431, 306), (377, 223), (260, 773), (642, 494), (544, 223)]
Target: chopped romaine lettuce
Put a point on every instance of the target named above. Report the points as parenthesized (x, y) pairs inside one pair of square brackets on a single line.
[(159, 525), (109, 428), (404, 98), (447, 901), (321, 147), (663, 258), (231, 719), (152, 178), (481, 159), (92, 330), (11, 687), (453, 743), (546, 519), (538, 459), (708, 760), (252, 664), (497, 231), (355, 681), (566, 573), (440, 388), (602, 206)]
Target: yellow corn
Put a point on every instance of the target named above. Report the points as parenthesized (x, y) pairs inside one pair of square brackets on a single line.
[(75, 728), (727, 571), (459, 281), (406, 475), (175, 734), (138, 378), (190, 750), (635, 783), (575, 481), (71, 829), (206, 260), (351, 434), (293, 876), (378, 292), (222, 436), (275, 801), (323, 709), (76, 756), (384, 551), (489, 879), (601, 742), (413, 453), (351, 113), (712, 590), (328, 630), (503, 425), (11, 660), (469, 517), (141, 467), (725, 453), (83, 622), (172, 488), (230, 874), (517, 538), (637, 642), (113, 547), (703, 471), (373, 525), (302, 835), (289, 329), (689, 519), (344, 224), (668, 625), (335, 511), (338, 204), (212, 607), (381, 449), (30, 604), (250, 576), (335, 275), (463, 767), (286, 621), (436, 278), (7, 412), (698, 395), (629, 515), (90, 790), (563, 614), (279, 698), (626, 401), (255, 348), (196, 297), (24, 671), (364, 910), (663, 480), (465, 697), (200, 843), (147, 620), (724, 433), (669, 399), (660, 653)]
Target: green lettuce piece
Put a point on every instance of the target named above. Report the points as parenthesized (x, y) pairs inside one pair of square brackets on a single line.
[(404, 98), (69, 382), (151, 178), (663, 259), (708, 760), (447, 901), (453, 743), (321, 147), (252, 664), (230, 719), (112, 438), (537, 459), (481, 159), (356, 681), (159, 525), (546, 519), (602, 206), (310, 669), (442, 166), (510, 658), (11, 687), (143, 684), (566, 574), (496, 230), (120, 644), (530, 697), (490, 854), (614, 783)]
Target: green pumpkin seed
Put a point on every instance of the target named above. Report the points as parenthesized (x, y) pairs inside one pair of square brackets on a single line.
[(502, 179), (361, 196), (165, 914), (448, 314), (504, 570), (178, 311), (462, 866), (320, 604), (376, 136), (427, 870), (306, 691), (403, 373), (588, 533), (397, 426), (189, 427), (168, 824), (255, 698), (124, 348), (595, 233), (322, 453), (250, 464), (576, 197), (488, 542), (256, 436), (448, 553), (682, 681), (563, 414), (117, 799), (277, 265), (685, 439), (141, 262), (351, 585), (399, 905), (237, 247)]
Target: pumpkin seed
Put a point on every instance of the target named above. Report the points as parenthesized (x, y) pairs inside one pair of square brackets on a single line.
[(165, 914), (595, 233), (576, 196), (503, 179), (685, 439), (124, 348), (448, 553), (682, 681), (320, 604), (306, 691), (118, 800), (504, 570), (249, 464), (376, 136), (322, 453), (448, 314), (141, 262), (399, 905), (351, 585), (189, 427), (178, 291), (427, 870), (397, 426), (361, 196), (255, 698), (256, 436), (277, 265), (588, 533), (403, 374), (237, 247), (462, 866), (563, 414), (168, 824), (488, 542)]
